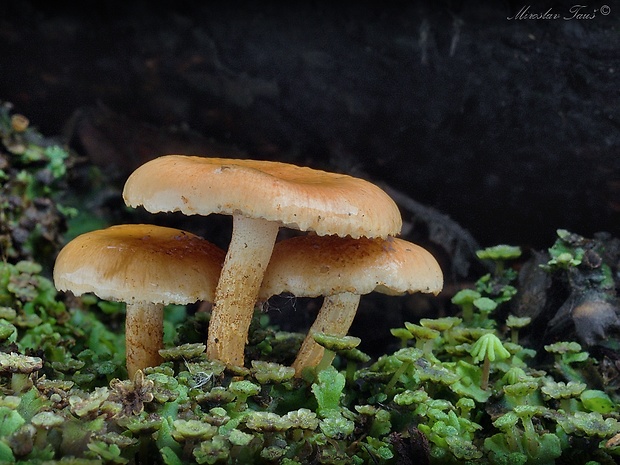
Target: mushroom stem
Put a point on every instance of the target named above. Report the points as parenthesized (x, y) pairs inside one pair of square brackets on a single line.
[(335, 317), (248, 254), (144, 335), (486, 369)]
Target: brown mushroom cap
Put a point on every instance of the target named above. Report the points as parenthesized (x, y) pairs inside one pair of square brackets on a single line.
[(146, 267), (297, 197), (140, 263), (342, 269), (312, 266)]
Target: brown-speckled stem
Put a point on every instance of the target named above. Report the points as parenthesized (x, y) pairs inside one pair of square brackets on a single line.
[(335, 317), (248, 254), (144, 335)]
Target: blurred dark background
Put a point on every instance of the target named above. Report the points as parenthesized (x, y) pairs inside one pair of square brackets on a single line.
[(506, 124)]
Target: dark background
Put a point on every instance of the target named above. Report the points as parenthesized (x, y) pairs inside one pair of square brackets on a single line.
[(510, 127)]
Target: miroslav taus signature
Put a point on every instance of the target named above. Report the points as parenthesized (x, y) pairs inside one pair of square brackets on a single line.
[(576, 11)]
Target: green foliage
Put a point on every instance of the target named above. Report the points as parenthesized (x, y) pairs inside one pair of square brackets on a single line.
[(328, 390), (565, 252), (197, 411), (499, 254), (32, 180)]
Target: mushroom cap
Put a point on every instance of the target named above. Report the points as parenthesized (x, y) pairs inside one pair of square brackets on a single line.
[(298, 197), (140, 263), (311, 266)]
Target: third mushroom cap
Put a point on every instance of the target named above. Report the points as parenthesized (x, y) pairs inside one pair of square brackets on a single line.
[(261, 196), (145, 266), (342, 269)]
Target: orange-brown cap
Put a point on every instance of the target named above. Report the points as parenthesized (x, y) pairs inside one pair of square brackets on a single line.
[(297, 197), (145, 263), (312, 266)]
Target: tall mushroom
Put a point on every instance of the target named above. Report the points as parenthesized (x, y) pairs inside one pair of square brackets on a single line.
[(342, 269), (146, 267), (261, 196)]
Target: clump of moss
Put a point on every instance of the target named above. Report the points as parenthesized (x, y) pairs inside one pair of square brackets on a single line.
[(73, 341), (33, 173)]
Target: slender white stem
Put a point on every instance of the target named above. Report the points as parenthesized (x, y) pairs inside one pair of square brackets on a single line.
[(335, 317), (248, 254), (144, 335)]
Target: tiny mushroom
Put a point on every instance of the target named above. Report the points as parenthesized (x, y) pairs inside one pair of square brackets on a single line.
[(261, 196), (487, 349), (343, 269), (146, 267), (465, 299), (499, 254)]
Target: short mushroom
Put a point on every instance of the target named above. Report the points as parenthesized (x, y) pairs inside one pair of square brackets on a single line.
[(343, 269), (146, 267), (488, 348), (261, 196)]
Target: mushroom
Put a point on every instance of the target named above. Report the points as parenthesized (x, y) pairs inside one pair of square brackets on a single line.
[(488, 348), (343, 269), (261, 196), (146, 267)]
